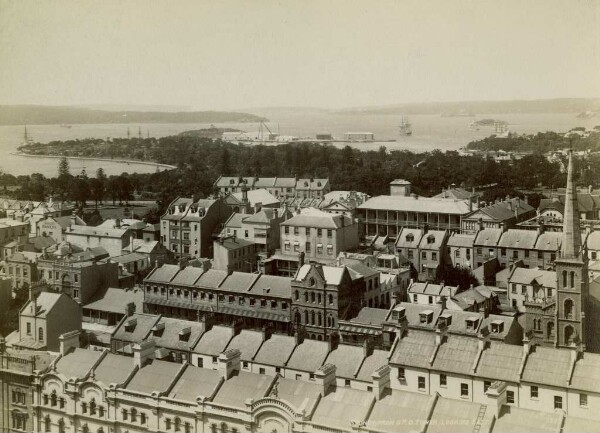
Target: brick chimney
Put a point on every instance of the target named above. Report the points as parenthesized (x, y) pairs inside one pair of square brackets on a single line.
[(301, 259), (68, 341), (333, 341), (381, 381), (325, 377), (368, 346), (143, 352), (496, 395), (229, 363)]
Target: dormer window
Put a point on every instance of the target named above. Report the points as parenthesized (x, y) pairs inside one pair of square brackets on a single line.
[(410, 237), (430, 239), (471, 323), (445, 320), (231, 181), (425, 316), (318, 183), (130, 325), (158, 330), (398, 314), (184, 334), (497, 326), (305, 183)]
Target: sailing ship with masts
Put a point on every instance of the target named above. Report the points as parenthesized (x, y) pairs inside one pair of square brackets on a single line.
[(405, 128)]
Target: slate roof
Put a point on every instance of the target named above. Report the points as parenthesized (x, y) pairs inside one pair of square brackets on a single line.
[(256, 196), (518, 420), (549, 241), (194, 382), (547, 366), (114, 369), (398, 412), (78, 363), (488, 237), (421, 204), (169, 338), (163, 274), (362, 270), (214, 341), (414, 349), (187, 276), (143, 325), (44, 304), (273, 285), (500, 362), (367, 315), (309, 355), (371, 363), (453, 416), (156, 376), (456, 355), (347, 359), (247, 342), (403, 242), (433, 239), (238, 282), (338, 409), (333, 275), (115, 300), (211, 278), (236, 243), (298, 393), (527, 276), (104, 232), (461, 240), (456, 194), (431, 289), (235, 220), (413, 311), (521, 239), (586, 374), (276, 350), (311, 217), (235, 391)]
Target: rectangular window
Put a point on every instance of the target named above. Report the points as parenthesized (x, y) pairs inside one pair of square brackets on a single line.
[(443, 380), (424, 255), (540, 255), (261, 370), (245, 233), (296, 230), (526, 253), (557, 402), (510, 397), (486, 385), (307, 247), (286, 230), (401, 373), (28, 328), (464, 390), (513, 288), (415, 298), (347, 383), (503, 252), (583, 400), (434, 256), (430, 299), (421, 382), (410, 254), (330, 250)]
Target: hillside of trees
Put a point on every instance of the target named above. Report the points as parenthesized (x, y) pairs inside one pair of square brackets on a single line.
[(200, 161), (541, 142)]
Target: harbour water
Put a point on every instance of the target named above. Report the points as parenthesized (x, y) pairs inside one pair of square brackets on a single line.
[(430, 132)]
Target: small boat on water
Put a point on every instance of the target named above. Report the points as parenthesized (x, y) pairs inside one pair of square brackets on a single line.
[(63, 125)]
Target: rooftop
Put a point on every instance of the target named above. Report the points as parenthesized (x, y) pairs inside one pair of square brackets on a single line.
[(78, 363), (156, 376), (194, 382), (417, 204)]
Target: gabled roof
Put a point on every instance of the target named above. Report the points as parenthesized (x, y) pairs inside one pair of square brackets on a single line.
[(238, 282), (247, 342), (431, 289), (337, 409), (347, 360), (433, 239), (195, 382), (156, 376), (272, 285), (415, 349), (371, 363), (276, 350), (44, 303), (211, 278), (549, 241), (187, 276), (456, 194), (500, 361), (312, 184), (103, 232), (162, 274), (309, 355), (235, 220), (333, 275), (488, 237), (409, 238), (529, 276), (456, 355), (114, 369), (547, 366), (461, 240), (214, 341), (515, 238), (176, 333), (78, 363), (256, 196), (586, 374), (136, 327), (504, 210), (235, 391)]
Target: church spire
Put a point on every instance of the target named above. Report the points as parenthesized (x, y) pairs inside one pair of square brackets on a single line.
[(571, 245)]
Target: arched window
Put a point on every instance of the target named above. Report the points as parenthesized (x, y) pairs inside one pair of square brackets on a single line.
[(223, 427), (296, 295), (61, 426), (320, 319), (320, 337), (85, 428), (100, 430), (550, 329), (564, 277), (53, 398), (312, 296), (177, 423), (319, 299), (306, 317), (93, 407), (47, 423), (298, 318), (133, 415), (569, 334), (572, 280), (305, 296), (568, 309), (312, 317), (330, 296), (329, 321)]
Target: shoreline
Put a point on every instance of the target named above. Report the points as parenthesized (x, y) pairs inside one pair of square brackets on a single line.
[(121, 161)]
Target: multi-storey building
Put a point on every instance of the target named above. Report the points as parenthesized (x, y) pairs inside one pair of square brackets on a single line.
[(425, 249), (188, 226), (21, 268), (386, 215), (113, 240), (508, 212), (235, 254), (280, 187), (460, 250), (322, 295), (526, 286), (57, 226), (318, 235), (79, 279), (261, 227), (12, 231)]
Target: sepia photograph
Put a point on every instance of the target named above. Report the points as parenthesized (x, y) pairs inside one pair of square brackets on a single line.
[(297, 216)]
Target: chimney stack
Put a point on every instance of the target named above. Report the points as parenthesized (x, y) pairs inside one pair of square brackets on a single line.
[(143, 352), (229, 363), (496, 395), (381, 380), (325, 377), (333, 341), (299, 336), (301, 259), (68, 341), (131, 243), (368, 346)]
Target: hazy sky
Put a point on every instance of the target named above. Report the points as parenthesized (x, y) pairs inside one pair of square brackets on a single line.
[(256, 53)]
